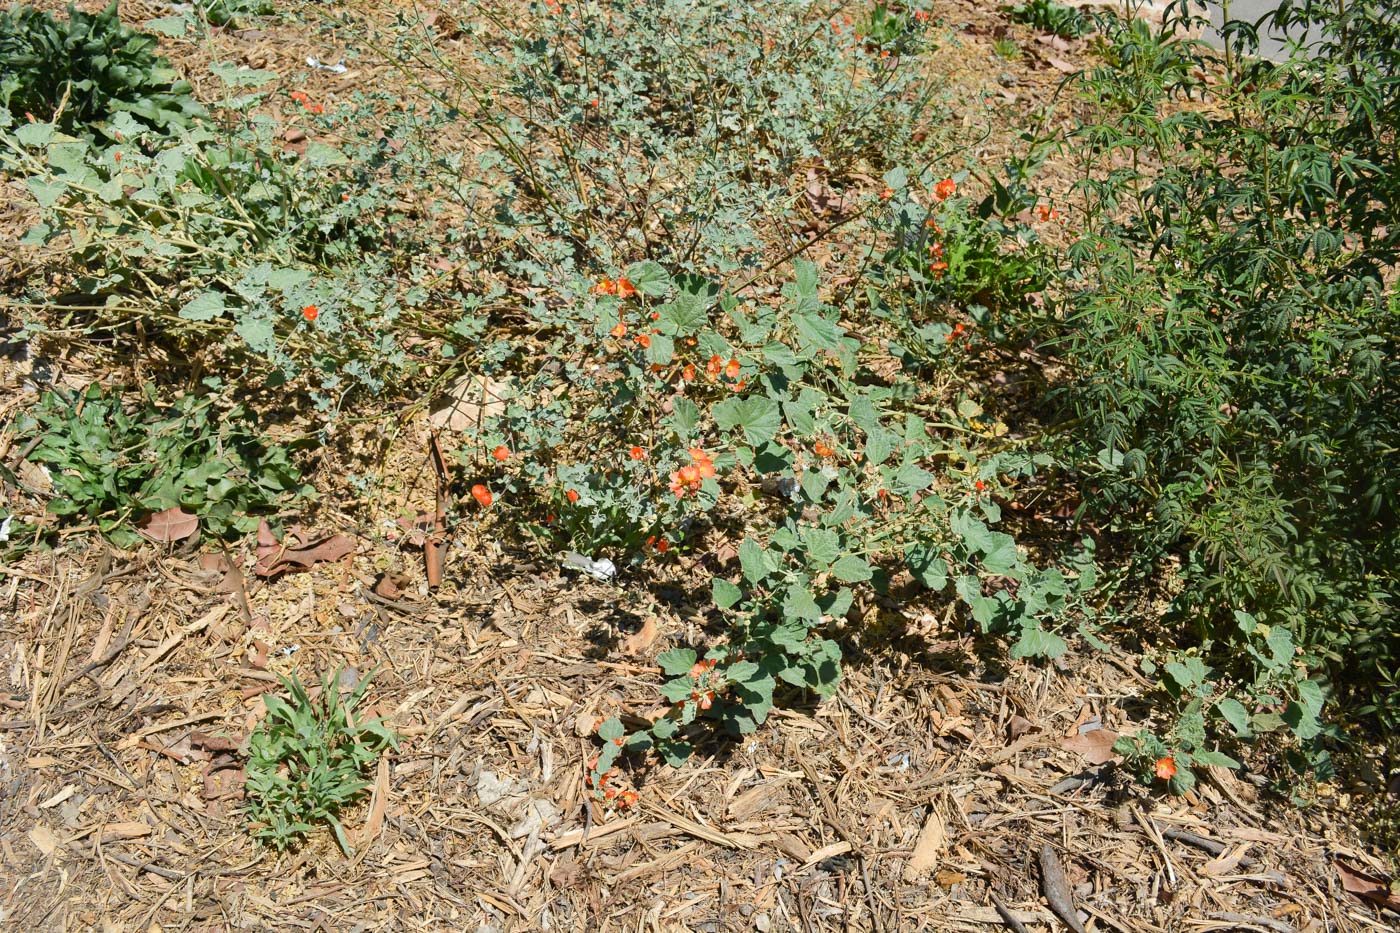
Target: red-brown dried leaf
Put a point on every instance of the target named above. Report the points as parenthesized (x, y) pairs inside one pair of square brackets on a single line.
[(299, 552), (1367, 887), (169, 526)]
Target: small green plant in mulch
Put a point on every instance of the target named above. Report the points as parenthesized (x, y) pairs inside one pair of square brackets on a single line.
[(307, 760), (112, 464), (82, 72), (1052, 17)]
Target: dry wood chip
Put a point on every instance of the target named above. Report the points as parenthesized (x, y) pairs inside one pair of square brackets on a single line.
[(932, 841)]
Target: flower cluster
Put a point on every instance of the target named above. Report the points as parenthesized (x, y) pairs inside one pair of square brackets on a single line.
[(717, 369), (688, 479), (620, 287), (301, 97)]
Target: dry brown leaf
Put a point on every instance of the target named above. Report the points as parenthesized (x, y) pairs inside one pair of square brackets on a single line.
[(299, 552), (470, 400), (1368, 887), (1096, 745), (169, 526), (642, 639), (933, 839)]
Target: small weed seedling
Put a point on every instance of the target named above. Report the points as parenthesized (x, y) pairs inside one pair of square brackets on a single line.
[(306, 761)]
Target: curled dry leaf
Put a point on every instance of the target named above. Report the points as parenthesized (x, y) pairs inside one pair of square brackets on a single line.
[(300, 551), (169, 526)]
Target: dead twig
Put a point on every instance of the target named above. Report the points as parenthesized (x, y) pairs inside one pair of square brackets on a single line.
[(1007, 917), (1056, 887)]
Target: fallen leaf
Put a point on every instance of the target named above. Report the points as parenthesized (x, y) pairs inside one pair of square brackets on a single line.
[(171, 525), (1018, 727), (299, 552), (929, 847), (1367, 887), (642, 639), (468, 402), (1059, 64), (1096, 745), (389, 586)]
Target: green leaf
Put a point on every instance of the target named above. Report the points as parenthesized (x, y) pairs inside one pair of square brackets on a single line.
[(725, 594), (852, 569), (823, 547), (817, 331), (650, 278), (678, 690), (758, 416), (676, 661), (800, 604), (1236, 715), (1214, 758), (753, 560), (174, 26), (927, 567), (236, 76), (685, 315), (612, 729), (1035, 642), (206, 306)]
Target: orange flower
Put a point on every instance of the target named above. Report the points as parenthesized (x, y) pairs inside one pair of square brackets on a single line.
[(625, 289), (822, 450), (714, 367), (731, 369), (643, 341), (627, 798), (605, 287), (707, 700), (310, 312), (620, 330), (945, 189), (935, 250), (688, 374), (1166, 768), (1046, 213), (888, 192), (482, 495), (662, 546), (688, 479), (637, 453), (501, 453), (572, 494), (981, 486), (938, 268), (703, 462), (117, 157), (300, 97)]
